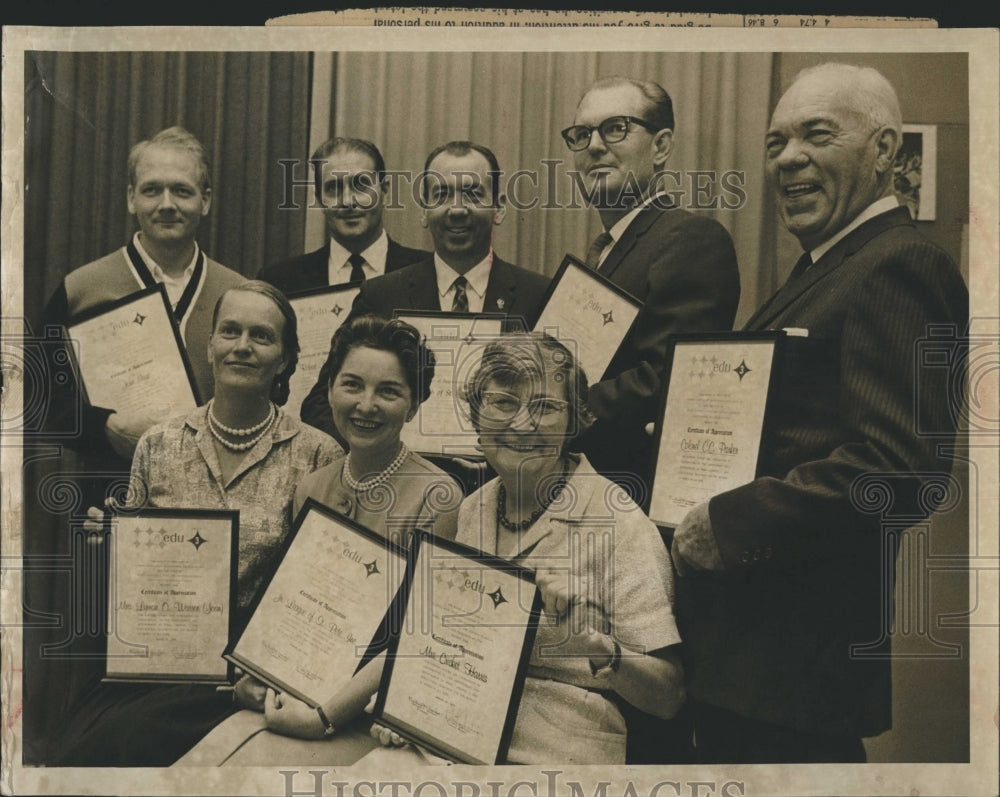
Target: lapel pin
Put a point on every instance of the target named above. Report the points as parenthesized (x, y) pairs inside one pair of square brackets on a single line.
[(500, 304)]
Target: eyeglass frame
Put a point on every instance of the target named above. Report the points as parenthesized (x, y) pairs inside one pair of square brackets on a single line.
[(521, 405), (629, 120)]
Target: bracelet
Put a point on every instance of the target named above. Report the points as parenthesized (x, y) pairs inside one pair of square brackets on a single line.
[(328, 729), (612, 666)]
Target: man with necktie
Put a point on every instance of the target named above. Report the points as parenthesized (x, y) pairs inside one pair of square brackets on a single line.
[(682, 266), (463, 202), (789, 579), (354, 191)]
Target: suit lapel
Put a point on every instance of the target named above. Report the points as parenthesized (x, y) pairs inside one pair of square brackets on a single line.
[(501, 288), (824, 267), (640, 224), (423, 292)]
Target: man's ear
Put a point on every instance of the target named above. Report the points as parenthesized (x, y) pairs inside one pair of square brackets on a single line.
[(663, 143), (206, 201), (501, 209), (130, 199), (887, 145)]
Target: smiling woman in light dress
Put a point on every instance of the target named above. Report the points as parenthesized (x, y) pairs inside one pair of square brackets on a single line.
[(381, 372), (599, 562)]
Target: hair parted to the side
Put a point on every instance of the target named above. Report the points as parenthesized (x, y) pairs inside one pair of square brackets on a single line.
[(359, 145), (525, 357), (395, 336), (176, 138), (289, 332), (659, 110)]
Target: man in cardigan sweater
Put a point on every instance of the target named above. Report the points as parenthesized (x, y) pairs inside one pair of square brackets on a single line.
[(169, 194), (789, 581)]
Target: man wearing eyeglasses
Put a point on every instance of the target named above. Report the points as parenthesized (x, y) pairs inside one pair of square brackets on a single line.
[(680, 265)]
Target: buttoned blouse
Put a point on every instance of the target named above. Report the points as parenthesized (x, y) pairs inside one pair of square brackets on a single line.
[(176, 465)]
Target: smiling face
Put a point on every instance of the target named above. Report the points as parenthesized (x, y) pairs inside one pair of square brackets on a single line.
[(459, 211), (371, 401), (353, 198), (624, 168), (167, 199), (528, 444), (824, 159), (245, 348)]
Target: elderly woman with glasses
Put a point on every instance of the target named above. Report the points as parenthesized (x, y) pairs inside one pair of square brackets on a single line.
[(607, 632)]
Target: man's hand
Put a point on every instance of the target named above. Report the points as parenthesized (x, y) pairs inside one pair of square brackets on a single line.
[(123, 430), (250, 693), (289, 716), (694, 546)]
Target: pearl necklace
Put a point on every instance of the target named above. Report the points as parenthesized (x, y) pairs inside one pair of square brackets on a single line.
[(240, 432), (363, 485), (264, 426), (529, 521)]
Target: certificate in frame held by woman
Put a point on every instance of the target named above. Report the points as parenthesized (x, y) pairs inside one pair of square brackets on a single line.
[(708, 436), (454, 675), (172, 589), (324, 608), (130, 356)]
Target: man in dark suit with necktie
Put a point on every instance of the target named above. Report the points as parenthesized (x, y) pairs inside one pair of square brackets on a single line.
[(463, 202), (789, 581), (682, 266), (354, 190)]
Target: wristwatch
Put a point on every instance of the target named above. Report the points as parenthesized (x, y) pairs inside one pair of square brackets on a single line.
[(328, 729), (612, 666)]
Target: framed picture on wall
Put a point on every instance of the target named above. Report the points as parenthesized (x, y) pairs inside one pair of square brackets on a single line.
[(916, 171)]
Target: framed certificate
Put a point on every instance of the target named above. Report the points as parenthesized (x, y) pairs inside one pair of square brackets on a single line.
[(130, 356), (708, 436), (589, 314), (324, 605), (320, 312), (453, 678), (172, 590), (442, 426)]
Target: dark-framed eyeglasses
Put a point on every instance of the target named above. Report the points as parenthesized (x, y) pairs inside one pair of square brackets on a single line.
[(499, 406), (612, 130)]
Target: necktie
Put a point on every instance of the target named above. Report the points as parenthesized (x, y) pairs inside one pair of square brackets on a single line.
[(356, 262), (461, 301), (800, 267), (594, 253)]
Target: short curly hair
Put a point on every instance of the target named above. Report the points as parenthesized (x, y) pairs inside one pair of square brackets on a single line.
[(398, 337), (516, 358)]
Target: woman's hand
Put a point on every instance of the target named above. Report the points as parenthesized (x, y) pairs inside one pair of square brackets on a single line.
[(384, 736), (570, 608), (249, 693), (291, 717)]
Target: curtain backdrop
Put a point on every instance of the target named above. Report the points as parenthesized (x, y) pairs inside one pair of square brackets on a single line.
[(516, 103), (85, 110)]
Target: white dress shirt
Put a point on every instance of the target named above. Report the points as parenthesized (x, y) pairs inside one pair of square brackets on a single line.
[(339, 270), (477, 278)]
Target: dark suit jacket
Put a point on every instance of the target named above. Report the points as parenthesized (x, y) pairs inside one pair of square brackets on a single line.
[(511, 290), (809, 562), (311, 270), (683, 267)]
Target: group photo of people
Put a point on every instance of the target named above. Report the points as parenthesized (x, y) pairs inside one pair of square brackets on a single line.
[(720, 195)]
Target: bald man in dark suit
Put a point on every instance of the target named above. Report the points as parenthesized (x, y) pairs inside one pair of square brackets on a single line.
[(788, 579)]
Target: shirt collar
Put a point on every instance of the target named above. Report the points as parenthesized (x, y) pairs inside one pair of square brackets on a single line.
[(158, 274), (477, 277), (619, 227), (876, 208), (375, 256)]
